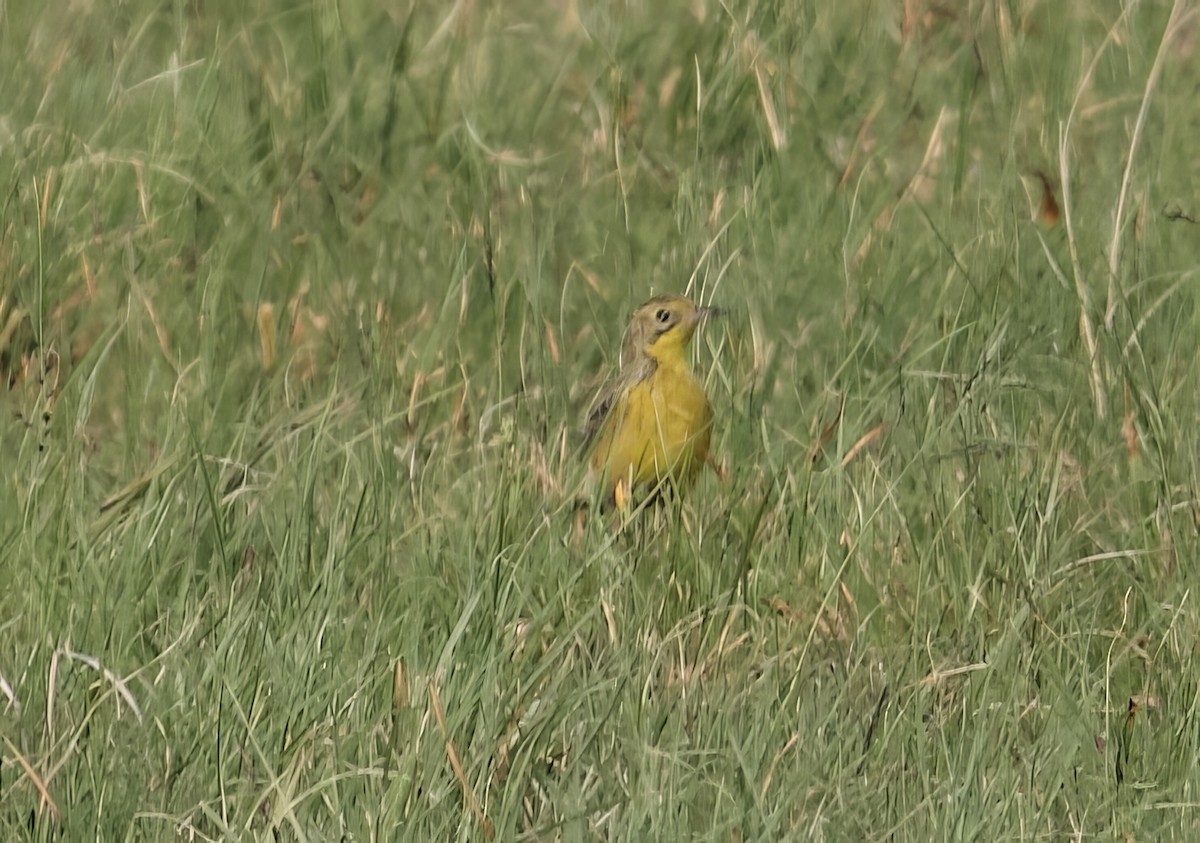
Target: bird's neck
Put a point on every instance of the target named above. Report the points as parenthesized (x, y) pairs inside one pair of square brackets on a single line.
[(671, 359)]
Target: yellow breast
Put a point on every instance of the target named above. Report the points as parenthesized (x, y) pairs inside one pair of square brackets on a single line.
[(658, 430)]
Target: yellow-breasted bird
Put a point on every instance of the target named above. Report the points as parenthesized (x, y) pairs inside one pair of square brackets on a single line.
[(651, 426)]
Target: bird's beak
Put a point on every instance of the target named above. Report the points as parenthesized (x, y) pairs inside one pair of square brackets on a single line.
[(703, 313)]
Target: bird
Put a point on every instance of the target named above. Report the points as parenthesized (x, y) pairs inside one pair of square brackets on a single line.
[(652, 425)]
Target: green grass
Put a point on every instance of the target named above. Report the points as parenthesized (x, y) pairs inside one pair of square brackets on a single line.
[(960, 526)]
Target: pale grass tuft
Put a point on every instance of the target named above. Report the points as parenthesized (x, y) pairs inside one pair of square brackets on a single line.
[(117, 683), (1181, 11), (13, 703), (266, 335), (44, 799), (435, 701)]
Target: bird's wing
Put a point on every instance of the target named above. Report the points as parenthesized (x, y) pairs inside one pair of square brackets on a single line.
[(602, 408), (600, 412)]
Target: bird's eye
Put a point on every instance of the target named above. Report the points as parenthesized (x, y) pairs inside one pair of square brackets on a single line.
[(663, 315)]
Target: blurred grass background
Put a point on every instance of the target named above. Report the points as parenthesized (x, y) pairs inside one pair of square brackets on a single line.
[(301, 305)]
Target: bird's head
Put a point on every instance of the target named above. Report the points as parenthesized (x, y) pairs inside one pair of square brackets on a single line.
[(662, 327)]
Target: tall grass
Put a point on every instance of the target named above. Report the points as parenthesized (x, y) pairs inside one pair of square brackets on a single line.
[(301, 306)]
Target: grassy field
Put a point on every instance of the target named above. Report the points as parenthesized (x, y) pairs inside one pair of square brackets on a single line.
[(301, 308)]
